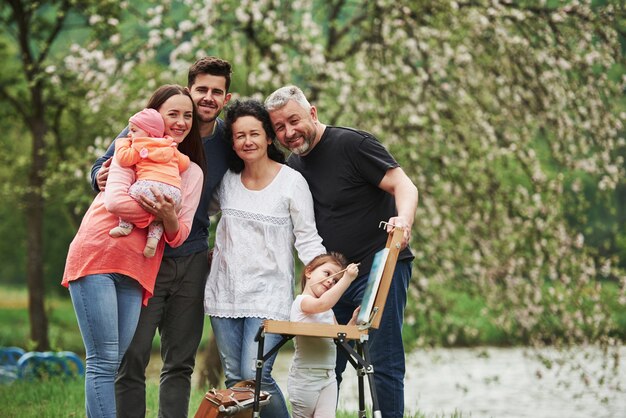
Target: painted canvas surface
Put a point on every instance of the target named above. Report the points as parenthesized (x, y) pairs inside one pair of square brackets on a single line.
[(376, 273)]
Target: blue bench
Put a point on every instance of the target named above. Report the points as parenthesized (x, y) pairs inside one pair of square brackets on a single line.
[(9, 356), (17, 364)]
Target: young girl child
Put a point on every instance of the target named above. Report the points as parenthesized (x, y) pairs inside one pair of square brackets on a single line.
[(158, 164), (311, 383)]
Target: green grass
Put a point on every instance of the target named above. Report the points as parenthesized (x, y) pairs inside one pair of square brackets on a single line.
[(51, 398), (57, 398)]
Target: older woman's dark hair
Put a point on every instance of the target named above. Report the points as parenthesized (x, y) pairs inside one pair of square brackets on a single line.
[(254, 108), (192, 145)]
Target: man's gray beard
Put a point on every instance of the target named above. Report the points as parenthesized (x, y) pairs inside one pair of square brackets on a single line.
[(302, 149)]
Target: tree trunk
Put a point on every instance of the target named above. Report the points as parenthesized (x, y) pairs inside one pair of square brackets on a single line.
[(34, 217), (211, 372)]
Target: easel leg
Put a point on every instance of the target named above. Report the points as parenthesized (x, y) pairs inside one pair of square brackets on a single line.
[(370, 377), (359, 358), (260, 337), (360, 373), (260, 361)]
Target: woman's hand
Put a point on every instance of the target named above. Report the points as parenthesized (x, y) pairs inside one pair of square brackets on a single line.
[(163, 208)]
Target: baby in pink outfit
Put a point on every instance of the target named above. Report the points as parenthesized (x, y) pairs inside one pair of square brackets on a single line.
[(158, 164)]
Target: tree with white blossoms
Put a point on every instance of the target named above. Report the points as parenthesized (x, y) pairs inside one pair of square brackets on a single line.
[(498, 110), (501, 112), (41, 98)]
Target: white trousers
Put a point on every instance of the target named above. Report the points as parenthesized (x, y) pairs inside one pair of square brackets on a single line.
[(312, 392)]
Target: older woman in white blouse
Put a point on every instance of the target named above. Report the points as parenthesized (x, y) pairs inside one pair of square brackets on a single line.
[(267, 209)]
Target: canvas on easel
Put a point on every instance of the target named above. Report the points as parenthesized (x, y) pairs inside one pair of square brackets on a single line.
[(373, 281)]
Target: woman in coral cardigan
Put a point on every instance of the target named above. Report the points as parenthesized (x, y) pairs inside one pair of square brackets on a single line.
[(109, 278), (158, 164)]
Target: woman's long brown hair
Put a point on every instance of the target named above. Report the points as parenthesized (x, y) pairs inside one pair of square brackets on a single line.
[(192, 144)]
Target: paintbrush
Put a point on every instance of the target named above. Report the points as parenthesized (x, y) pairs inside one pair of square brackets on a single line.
[(333, 275)]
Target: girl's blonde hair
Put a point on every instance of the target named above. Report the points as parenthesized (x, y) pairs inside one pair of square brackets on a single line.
[(331, 257)]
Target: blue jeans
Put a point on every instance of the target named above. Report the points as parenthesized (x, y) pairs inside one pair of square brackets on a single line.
[(385, 343), (238, 352), (107, 307)]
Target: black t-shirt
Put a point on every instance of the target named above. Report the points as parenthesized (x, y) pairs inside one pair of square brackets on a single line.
[(343, 172)]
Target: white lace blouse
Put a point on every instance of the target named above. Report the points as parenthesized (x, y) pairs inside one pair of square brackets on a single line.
[(252, 273)]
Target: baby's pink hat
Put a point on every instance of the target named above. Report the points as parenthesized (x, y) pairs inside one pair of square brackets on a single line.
[(150, 121)]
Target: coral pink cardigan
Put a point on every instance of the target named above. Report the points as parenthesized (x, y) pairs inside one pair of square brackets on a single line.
[(155, 159), (93, 251)]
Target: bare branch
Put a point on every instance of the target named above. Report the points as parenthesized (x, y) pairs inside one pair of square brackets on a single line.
[(22, 19), (62, 14)]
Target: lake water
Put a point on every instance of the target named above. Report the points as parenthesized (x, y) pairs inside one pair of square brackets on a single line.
[(490, 382)]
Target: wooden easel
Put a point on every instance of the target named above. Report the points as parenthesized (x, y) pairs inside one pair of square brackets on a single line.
[(341, 334)]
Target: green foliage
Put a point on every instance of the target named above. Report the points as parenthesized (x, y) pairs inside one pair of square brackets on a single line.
[(455, 317), (37, 90), (508, 116), (14, 332), (14, 325), (601, 217), (461, 316), (611, 295), (447, 316), (13, 246)]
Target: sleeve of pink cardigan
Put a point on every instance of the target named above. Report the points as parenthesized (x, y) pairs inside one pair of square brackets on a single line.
[(118, 201), (125, 154), (191, 190), (183, 161)]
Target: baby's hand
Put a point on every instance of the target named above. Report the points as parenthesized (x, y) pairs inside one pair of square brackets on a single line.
[(352, 271)]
